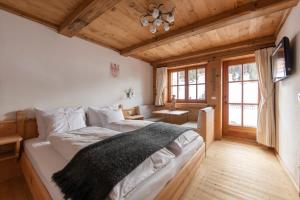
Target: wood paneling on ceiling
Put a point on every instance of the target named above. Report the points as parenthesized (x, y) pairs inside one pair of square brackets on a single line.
[(225, 51), (227, 18), (121, 27), (52, 12), (250, 29), (199, 25)]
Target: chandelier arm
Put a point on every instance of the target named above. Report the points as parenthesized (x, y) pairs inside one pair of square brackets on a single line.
[(159, 5), (164, 20), (146, 15), (167, 13)]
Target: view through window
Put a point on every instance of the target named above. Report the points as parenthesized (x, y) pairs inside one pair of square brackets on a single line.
[(187, 84), (243, 96)]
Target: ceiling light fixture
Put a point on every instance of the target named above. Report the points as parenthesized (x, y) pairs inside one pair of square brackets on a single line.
[(156, 17)]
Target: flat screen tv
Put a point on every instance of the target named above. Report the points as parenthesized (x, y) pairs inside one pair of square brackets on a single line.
[(281, 60)]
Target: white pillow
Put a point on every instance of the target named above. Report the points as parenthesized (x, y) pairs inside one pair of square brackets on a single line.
[(101, 117), (112, 116), (94, 119), (40, 116), (59, 120)]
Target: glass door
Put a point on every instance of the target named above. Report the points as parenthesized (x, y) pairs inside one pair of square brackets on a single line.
[(241, 98)]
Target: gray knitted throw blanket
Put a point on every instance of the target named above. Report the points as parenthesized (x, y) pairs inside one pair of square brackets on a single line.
[(96, 169)]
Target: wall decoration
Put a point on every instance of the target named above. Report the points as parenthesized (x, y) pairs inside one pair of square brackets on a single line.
[(114, 69), (129, 93)]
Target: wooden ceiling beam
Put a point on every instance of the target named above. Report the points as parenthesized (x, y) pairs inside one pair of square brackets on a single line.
[(245, 12), (84, 14), (218, 52)]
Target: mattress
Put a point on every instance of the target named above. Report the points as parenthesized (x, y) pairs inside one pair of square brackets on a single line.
[(46, 161)]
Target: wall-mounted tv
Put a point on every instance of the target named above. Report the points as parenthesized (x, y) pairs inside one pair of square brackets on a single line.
[(281, 60)]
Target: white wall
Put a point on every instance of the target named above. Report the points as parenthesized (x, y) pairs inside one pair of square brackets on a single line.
[(287, 107), (40, 68)]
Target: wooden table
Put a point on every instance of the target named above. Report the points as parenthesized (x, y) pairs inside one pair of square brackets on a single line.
[(135, 117), (170, 113), (13, 139)]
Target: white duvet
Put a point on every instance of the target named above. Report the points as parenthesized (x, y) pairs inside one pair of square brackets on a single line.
[(68, 144), (127, 125)]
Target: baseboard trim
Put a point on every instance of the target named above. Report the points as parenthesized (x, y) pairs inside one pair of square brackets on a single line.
[(297, 187)]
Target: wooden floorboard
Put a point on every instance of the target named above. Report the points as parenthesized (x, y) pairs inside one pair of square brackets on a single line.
[(232, 170), (240, 170), (15, 189)]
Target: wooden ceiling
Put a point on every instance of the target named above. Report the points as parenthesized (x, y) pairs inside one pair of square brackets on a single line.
[(200, 25)]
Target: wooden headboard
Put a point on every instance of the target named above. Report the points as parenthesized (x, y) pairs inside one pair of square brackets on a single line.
[(27, 128), (130, 111)]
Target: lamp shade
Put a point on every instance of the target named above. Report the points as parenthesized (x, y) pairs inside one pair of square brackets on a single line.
[(144, 21), (166, 26), (155, 13), (170, 18), (152, 29)]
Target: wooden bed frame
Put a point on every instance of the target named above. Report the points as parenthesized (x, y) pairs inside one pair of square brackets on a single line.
[(173, 190)]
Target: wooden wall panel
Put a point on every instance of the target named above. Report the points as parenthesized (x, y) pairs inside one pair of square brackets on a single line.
[(8, 128), (29, 129), (215, 93)]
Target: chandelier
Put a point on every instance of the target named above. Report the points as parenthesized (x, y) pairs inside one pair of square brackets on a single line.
[(156, 18)]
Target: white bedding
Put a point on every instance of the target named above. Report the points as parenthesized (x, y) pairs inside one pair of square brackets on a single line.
[(127, 125), (46, 161), (155, 171), (69, 143)]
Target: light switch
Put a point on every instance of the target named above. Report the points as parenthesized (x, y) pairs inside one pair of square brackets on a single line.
[(298, 97)]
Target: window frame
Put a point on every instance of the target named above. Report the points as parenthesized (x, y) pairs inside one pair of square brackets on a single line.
[(186, 84), (237, 130)]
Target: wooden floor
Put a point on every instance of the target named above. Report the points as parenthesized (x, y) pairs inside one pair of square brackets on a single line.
[(231, 170), (234, 170), (15, 189)]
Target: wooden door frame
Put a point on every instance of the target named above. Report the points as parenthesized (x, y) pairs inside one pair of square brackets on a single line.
[(232, 131)]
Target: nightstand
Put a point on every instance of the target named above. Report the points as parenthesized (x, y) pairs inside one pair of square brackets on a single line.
[(135, 117), (10, 153)]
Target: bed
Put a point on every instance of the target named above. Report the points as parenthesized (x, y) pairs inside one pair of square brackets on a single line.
[(40, 160)]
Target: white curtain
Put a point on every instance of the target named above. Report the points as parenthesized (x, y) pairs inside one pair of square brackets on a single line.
[(265, 133), (161, 85)]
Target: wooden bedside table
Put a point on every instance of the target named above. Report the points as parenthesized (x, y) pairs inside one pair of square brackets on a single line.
[(135, 117), (6, 140)]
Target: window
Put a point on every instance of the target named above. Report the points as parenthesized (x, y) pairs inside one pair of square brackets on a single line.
[(188, 84), (243, 95)]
